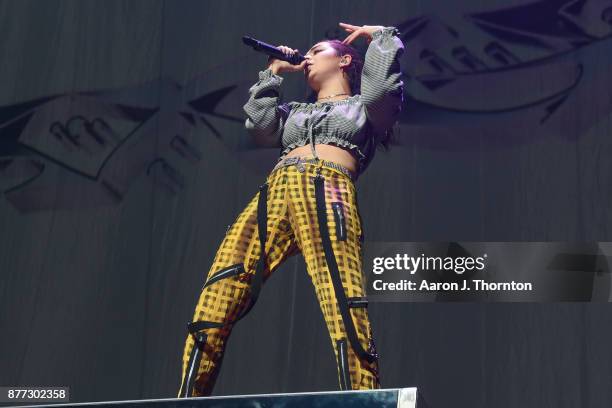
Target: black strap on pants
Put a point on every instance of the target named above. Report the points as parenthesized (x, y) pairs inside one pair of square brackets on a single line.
[(195, 327), (335, 273)]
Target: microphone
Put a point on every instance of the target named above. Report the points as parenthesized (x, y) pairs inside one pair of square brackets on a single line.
[(273, 51)]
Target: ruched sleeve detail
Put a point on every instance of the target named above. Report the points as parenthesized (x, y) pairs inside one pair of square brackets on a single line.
[(266, 114), (382, 90)]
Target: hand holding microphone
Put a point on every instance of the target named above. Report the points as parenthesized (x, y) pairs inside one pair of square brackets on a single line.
[(281, 58), (279, 66)]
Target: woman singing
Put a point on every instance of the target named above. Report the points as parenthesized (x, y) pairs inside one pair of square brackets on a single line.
[(308, 203)]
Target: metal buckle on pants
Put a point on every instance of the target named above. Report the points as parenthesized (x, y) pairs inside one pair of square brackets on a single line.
[(297, 160)]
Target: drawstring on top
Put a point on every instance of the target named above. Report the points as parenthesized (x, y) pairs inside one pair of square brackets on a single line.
[(312, 144), (325, 110)]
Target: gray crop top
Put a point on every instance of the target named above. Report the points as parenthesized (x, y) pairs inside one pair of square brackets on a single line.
[(353, 123)]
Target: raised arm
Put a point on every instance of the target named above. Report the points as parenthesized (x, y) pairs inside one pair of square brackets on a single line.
[(266, 114), (382, 90)]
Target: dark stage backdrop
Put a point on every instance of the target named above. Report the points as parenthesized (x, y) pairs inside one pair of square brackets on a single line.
[(123, 159)]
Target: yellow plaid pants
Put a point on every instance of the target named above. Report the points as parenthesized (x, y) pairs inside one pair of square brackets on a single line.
[(307, 207)]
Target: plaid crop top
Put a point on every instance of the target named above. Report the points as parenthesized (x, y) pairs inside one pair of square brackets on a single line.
[(352, 123)]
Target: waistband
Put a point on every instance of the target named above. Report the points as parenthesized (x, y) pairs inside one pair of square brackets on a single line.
[(299, 160)]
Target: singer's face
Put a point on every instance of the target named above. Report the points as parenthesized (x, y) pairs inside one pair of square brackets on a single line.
[(322, 63)]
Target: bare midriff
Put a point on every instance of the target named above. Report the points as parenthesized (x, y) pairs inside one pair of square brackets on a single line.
[(328, 152)]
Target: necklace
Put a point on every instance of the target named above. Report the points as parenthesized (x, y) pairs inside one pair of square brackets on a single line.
[(331, 96)]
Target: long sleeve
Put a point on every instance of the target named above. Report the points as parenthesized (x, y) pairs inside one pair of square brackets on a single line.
[(266, 115), (382, 90)]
